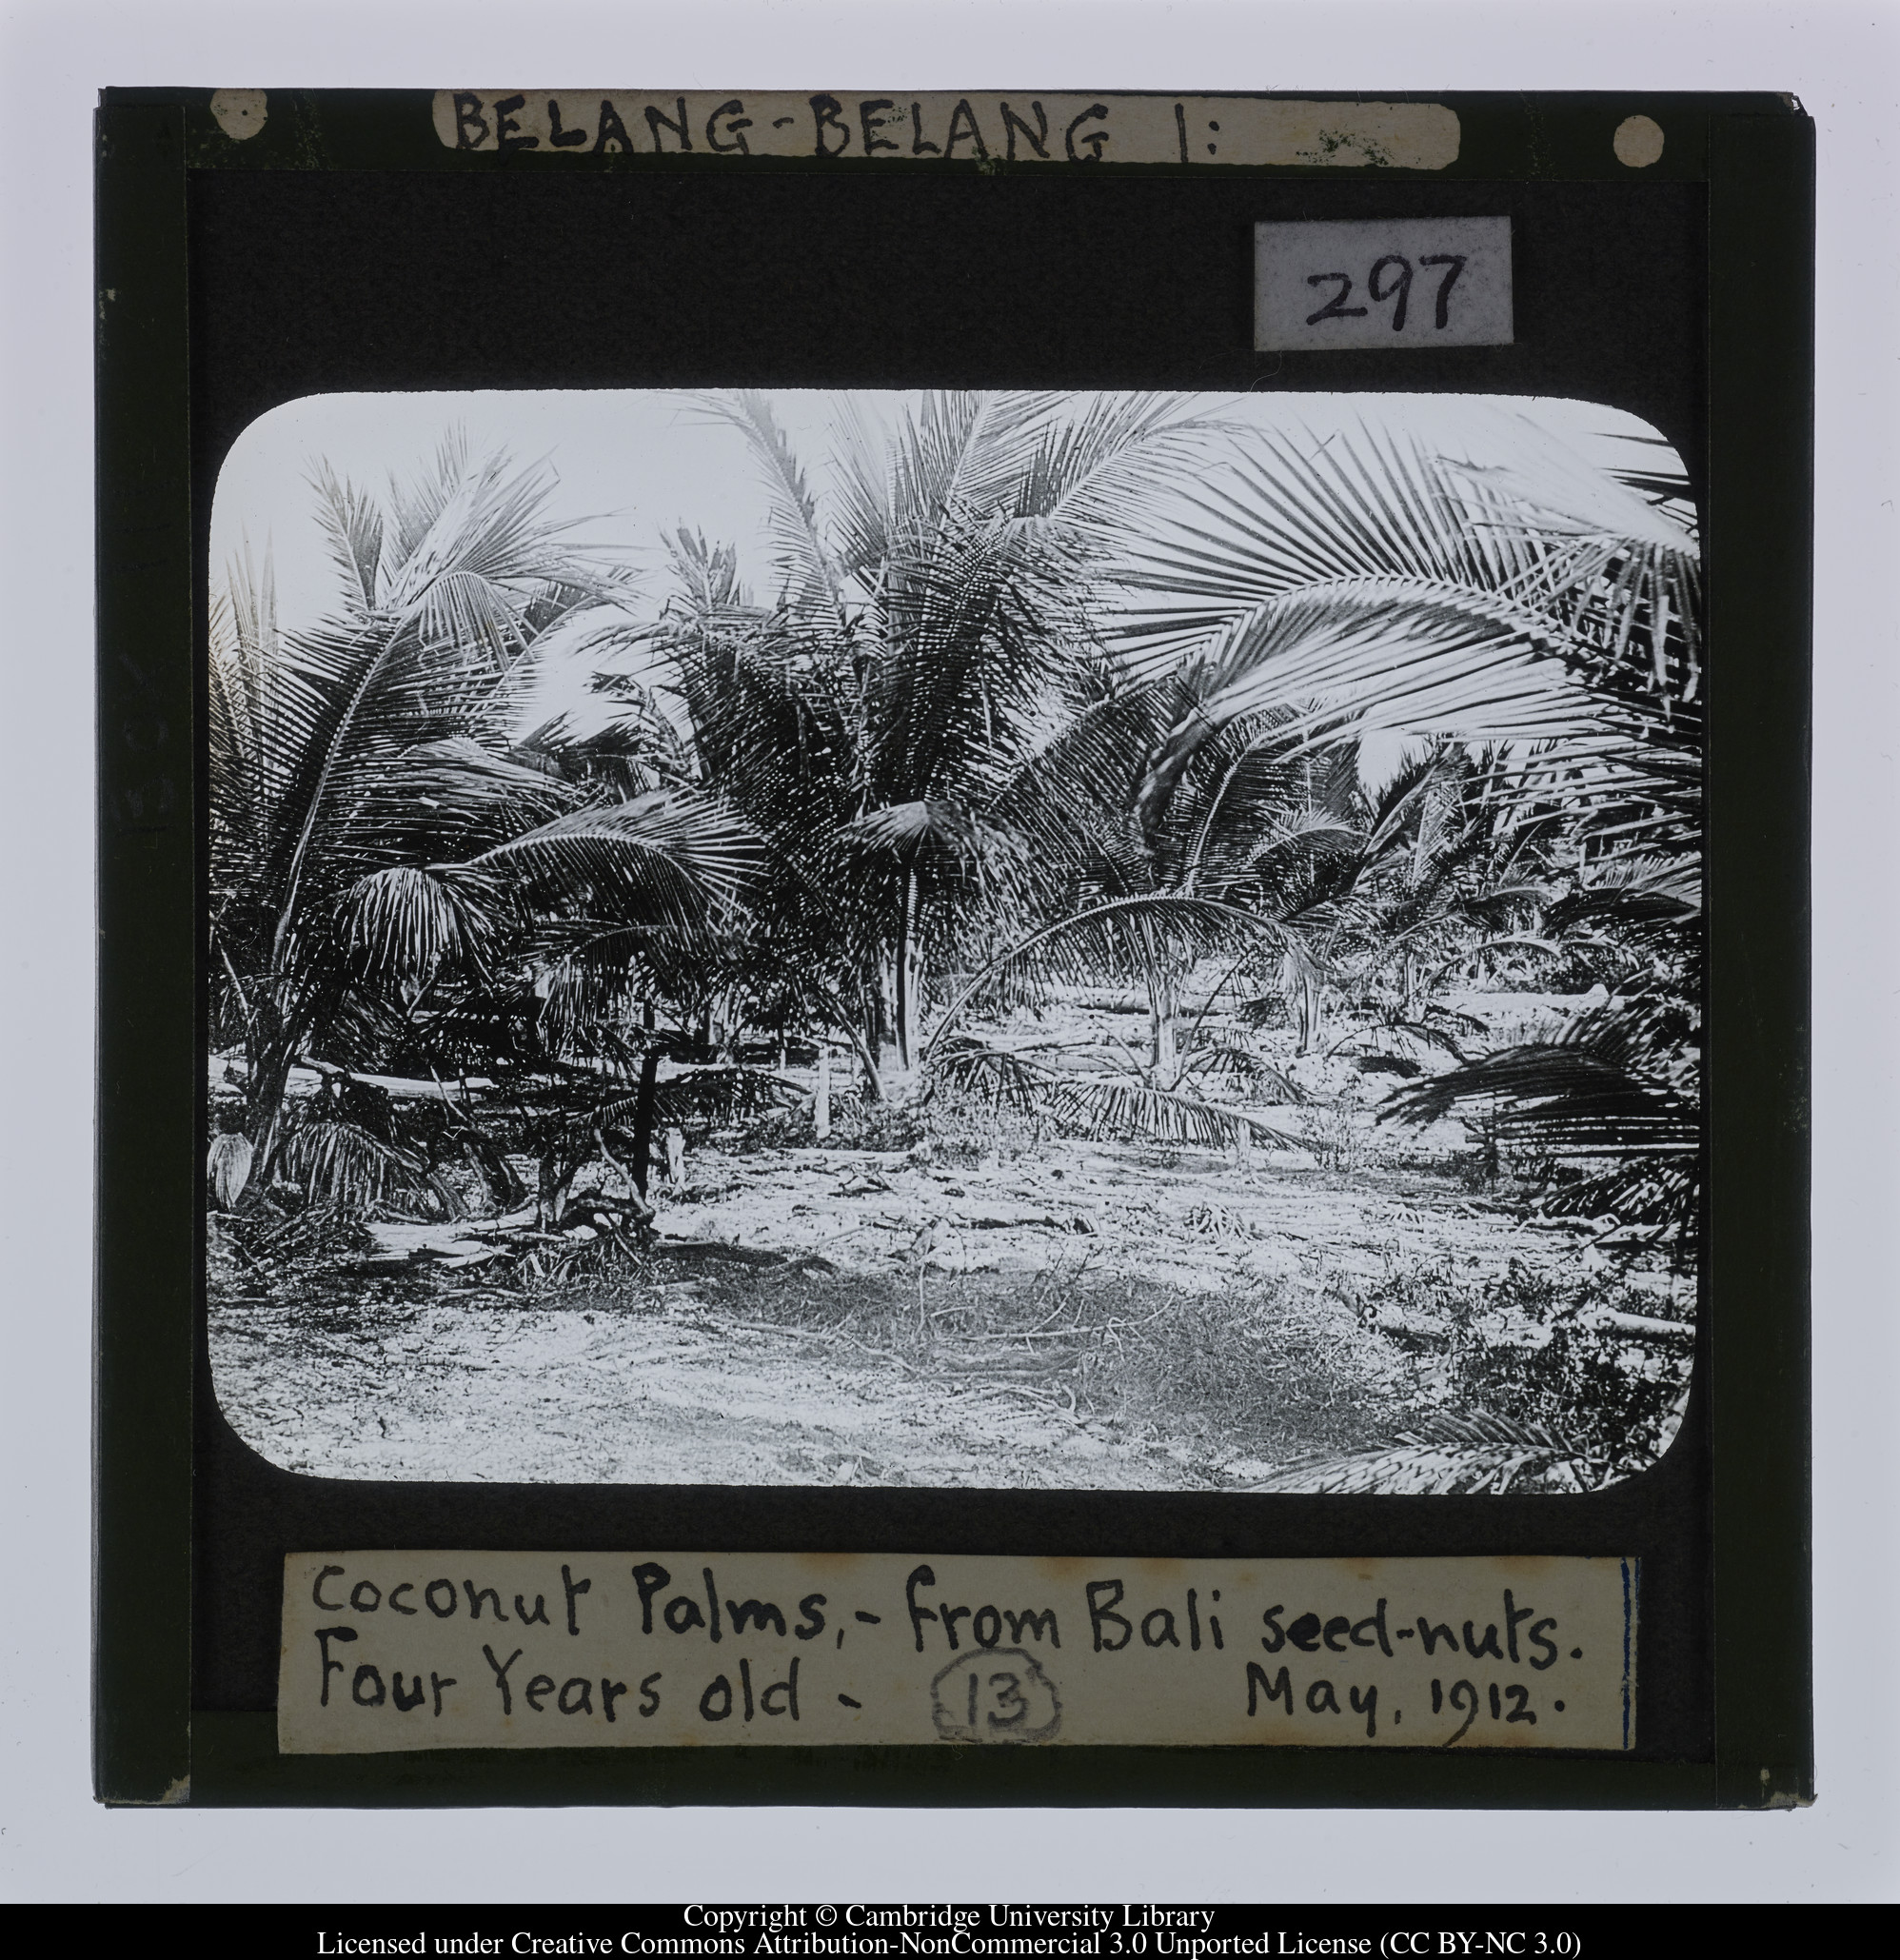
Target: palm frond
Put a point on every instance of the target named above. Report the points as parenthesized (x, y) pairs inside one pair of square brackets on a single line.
[(1244, 1068), (808, 571), (724, 1093), (403, 924), (1295, 510), (227, 1165), (1104, 941), (342, 1165), (1651, 900), (674, 856), (1514, 527), (907, 827), (1096, 1103), (1621, 566), (1103, 1106), (353, 526), (1616, 1102), (1379, 654), (1445, 1456)]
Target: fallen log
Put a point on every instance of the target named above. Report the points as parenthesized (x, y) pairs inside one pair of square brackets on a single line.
[(1607, 1318), (716, 1251)]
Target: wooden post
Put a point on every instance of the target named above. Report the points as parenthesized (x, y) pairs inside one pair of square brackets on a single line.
[(643, 1117), (821, 1102)]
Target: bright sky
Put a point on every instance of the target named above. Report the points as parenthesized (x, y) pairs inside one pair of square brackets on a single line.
[(634, 465), (639, 462)]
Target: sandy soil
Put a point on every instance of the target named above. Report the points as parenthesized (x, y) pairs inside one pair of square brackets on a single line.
[(705, 1377), (723, 1364), (670, 1396)]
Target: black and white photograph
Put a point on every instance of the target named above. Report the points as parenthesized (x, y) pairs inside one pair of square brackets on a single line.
[(1009, 940)]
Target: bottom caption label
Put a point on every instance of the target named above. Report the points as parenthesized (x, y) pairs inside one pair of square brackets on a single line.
[(386, 1651)]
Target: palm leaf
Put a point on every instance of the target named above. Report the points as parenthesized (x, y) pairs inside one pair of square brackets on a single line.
[(1103, 942), (809, 573), (724, 1093), (1615, 1100), (1448, 1454), (1244, 1068), (674, 856), (1096, 1103), (342, 1165), (353, 526), (1651, 900), (1282, 561), (1381, 654), (403, 924), (228, 1165)]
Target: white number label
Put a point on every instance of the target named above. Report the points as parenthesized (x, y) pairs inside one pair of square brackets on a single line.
[(1382, 283)]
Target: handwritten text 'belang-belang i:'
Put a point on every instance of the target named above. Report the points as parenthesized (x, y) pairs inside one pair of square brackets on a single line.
[(1020, 127), (388, 1651)]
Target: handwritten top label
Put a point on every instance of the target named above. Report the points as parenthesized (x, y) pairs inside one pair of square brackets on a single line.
[(386, 1650), (1382, 283), (1016, 128)]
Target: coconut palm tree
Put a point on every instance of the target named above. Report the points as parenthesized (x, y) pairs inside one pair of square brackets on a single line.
[(377, 834), (1154, 887), (1364, 581), (1314, 881), (927, 636)]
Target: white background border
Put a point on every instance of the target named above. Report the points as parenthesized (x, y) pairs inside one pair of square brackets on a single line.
[(1842, 60)]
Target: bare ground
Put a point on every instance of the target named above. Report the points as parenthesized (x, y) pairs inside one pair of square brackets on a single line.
[(1099, 1316), (973, 1312)]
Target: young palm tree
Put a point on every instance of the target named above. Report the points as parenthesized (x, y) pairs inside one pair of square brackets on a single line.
[(1547, 607), (376, 832), (929, 634), (1262, 853), (1364, 582), (1153, 887)]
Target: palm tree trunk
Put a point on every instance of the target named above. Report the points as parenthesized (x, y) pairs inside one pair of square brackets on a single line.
[(907, 968), (1309, 1012), (642, 1117), (867, 1061), (1165, 1058), (269, 1059), (866, 1041), (821, 1102), (875, 993), (269, 1080)]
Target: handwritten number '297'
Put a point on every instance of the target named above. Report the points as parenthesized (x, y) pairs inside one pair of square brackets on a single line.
[(1395, 273)]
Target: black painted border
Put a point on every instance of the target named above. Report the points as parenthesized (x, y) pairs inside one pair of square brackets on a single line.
[(1757, 156), (1760, 567), (147, 1152)]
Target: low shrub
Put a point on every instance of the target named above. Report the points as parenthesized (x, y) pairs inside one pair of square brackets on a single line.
[(1531, 1347)]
